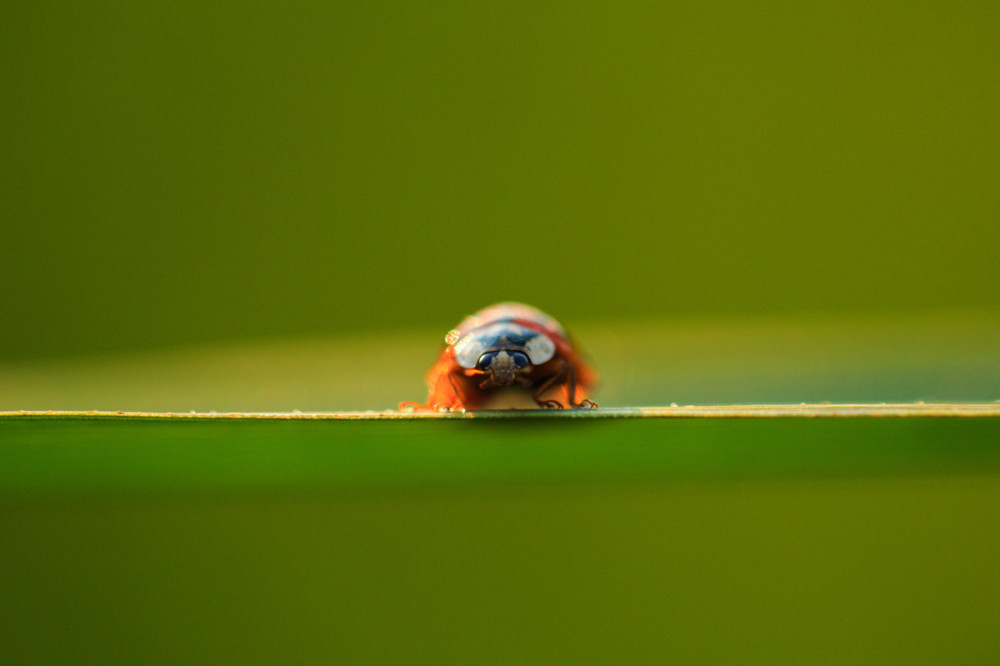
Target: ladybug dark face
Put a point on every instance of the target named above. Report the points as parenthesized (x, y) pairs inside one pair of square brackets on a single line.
[(503, 368)]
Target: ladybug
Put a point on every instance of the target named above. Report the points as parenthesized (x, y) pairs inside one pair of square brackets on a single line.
[(507, 345)]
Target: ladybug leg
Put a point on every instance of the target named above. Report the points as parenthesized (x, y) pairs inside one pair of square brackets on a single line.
[(546, 385), (445, 396), (575, 395), (457, 402)]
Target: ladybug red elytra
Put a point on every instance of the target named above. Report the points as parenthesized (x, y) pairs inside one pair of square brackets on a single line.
[(507, 344)]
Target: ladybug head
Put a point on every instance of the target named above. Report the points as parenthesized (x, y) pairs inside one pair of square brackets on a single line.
[(503, 368)]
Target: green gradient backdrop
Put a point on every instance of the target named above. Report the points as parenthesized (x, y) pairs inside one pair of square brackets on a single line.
[(176, 173)]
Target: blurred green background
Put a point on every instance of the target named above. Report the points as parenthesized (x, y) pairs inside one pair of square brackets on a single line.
[(277, 206), (178, 174)]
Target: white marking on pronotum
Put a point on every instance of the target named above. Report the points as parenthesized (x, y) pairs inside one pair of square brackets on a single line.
[(503, 335), (467, 350), (540, 349)]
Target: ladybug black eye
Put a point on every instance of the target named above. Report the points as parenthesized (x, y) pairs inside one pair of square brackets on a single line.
[(520, 360), (485, 361)]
